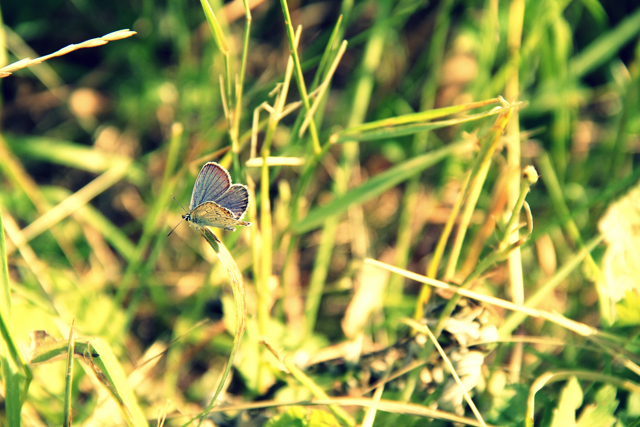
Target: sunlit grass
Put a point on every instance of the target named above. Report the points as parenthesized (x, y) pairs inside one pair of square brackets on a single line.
[(383, 145)]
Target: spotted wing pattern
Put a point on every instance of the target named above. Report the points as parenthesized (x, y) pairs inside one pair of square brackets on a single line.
[(213, 215), (236, 199), (212, 182)]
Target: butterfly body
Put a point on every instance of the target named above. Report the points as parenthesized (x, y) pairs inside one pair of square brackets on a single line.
[(214, 215), (215, 202)]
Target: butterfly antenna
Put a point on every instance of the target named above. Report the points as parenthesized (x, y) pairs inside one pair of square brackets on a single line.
[(172, 230), (174, 198)]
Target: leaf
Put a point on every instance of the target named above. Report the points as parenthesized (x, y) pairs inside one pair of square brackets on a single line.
[(620, 227), (600, 413), (633, 405), (298, 416), (295, 417), (627, 310), (570, 400)]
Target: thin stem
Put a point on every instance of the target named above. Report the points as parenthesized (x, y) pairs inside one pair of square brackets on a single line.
[(515, 195), (298, 73)]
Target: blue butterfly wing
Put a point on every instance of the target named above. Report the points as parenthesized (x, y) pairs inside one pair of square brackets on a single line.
[(212, 182), (236, 199)]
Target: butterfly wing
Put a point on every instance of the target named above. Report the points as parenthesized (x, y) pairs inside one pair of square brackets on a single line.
[(212, 182), (236, 199), (213, 215)]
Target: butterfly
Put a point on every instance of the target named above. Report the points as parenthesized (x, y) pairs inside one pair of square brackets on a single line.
[(215, 202)]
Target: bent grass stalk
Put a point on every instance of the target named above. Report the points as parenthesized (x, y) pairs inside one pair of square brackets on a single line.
[(601, 339), (579, 328), (99, 41), (237, 285), (385, 405)]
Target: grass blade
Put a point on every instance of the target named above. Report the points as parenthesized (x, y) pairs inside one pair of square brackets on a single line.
[(10, 353), (70, 154), (605, 46), (67, 416), (377, 185), (97, 354), (412, 123)]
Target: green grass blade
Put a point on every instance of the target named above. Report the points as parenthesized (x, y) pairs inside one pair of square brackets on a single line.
[(376, 185), (93, 217), (5, 289), (97, 354), (308, 383), (298, 73), (10, 353), (216, 29), (319, 273), (545, 290), (67, 416), (488, 146), (395, 127), (151, 225), (11, 388), (325, 55), (606, 46), (421, 116), (70, 154), (75, 201), (316, 80)]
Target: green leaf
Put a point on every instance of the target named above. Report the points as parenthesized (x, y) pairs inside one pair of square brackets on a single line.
[(570, 400), (600, 413), (627, 310), (621, 261), (295, 417), (298, 416), (376, 186)]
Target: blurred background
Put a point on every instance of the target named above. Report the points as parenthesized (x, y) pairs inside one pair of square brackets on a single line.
[(111, 131)]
